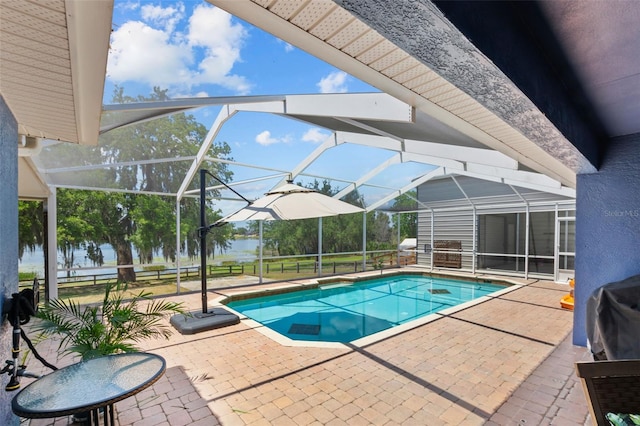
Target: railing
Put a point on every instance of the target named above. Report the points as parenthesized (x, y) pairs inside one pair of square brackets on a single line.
[(391, 259), (274, 269), (143, 275)]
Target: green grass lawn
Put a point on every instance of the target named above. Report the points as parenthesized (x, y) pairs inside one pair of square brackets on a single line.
[(160, 282)]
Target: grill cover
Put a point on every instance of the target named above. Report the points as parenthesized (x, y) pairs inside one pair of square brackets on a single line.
[(613, 320)]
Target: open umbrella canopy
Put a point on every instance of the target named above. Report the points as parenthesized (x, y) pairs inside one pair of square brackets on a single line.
[(290, 202)]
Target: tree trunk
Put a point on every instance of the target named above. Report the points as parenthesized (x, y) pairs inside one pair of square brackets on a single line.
[(146, 256), (125, 257), (68, 259)]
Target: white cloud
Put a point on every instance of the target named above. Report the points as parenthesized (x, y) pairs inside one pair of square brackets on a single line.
[(153, 52), (211, 28), (167, 17), (314, 135), (144, 54), (287, 47), (128, 5), (265, 139), (336, 82)]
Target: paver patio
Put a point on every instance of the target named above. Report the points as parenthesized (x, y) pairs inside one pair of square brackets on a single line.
[(506, 361)]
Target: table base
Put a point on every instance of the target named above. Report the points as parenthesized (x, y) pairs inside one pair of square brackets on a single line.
[(92, 417)]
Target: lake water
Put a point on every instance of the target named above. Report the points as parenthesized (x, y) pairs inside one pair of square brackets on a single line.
[(242, 250)]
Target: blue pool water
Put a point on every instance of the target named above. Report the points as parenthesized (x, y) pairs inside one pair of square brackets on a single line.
[(342, 312)]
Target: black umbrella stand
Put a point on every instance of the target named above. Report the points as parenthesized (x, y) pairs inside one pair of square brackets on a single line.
[(206, 319)]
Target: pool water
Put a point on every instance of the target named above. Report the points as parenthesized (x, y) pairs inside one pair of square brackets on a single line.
[(342, 312)]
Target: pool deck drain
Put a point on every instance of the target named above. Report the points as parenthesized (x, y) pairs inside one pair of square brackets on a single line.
[(306, 329)]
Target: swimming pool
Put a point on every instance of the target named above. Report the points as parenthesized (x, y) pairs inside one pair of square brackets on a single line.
[(346, 311)]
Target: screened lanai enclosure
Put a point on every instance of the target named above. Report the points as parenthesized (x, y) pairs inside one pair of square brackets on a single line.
[(478, 209), (481, 226)]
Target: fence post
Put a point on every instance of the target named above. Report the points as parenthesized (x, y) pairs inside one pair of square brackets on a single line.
[(297, 267), (282, 268), (334, 267)]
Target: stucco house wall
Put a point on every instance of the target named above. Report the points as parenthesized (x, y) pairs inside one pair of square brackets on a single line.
[(607, 225), (8, 243)]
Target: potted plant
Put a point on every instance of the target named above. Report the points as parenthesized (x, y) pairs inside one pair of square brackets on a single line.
[(114, 326)]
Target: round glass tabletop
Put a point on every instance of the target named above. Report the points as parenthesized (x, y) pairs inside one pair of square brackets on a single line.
[(88, 385)]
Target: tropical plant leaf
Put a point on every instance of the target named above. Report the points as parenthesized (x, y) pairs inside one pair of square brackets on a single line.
[(114, 326)]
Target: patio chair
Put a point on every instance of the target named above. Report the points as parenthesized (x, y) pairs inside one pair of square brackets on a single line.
[(610, 387)]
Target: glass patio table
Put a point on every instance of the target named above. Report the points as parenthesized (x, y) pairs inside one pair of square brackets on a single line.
[(89, 386)]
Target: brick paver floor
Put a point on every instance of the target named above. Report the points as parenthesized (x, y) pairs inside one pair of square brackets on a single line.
[(506, 361)]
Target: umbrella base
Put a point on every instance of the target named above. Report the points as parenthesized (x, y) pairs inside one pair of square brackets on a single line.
[(197, 322)]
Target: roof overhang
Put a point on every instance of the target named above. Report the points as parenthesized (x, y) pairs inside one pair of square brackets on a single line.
[(411, 64), (52, 72), (53, 67)]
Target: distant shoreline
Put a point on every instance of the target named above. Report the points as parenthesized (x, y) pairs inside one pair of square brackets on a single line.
[(243, 249)]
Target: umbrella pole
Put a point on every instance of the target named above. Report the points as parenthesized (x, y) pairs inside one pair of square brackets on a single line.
[(203, 241), (204, 230)]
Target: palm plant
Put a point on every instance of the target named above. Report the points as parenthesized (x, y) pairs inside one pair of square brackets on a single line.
[(114, 326)]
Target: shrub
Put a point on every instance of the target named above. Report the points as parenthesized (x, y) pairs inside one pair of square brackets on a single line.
[(114, 326)]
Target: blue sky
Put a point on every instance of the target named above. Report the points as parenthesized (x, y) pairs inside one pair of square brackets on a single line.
[(193, 49)]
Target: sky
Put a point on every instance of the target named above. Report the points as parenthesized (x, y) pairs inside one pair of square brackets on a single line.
[(194, 49)]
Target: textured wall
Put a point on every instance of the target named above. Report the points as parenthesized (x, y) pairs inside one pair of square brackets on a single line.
[(8, 242), (519, 40), (607, 225), (420, 29)]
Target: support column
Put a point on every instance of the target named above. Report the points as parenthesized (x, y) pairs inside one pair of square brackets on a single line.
[(398, 256), (51, 274), (474, 248), (319, 246), (260, 250), (364, 241), (526, 243), (178, 245)]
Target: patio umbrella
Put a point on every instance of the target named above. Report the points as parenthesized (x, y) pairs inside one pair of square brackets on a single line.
[(291, 202)]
